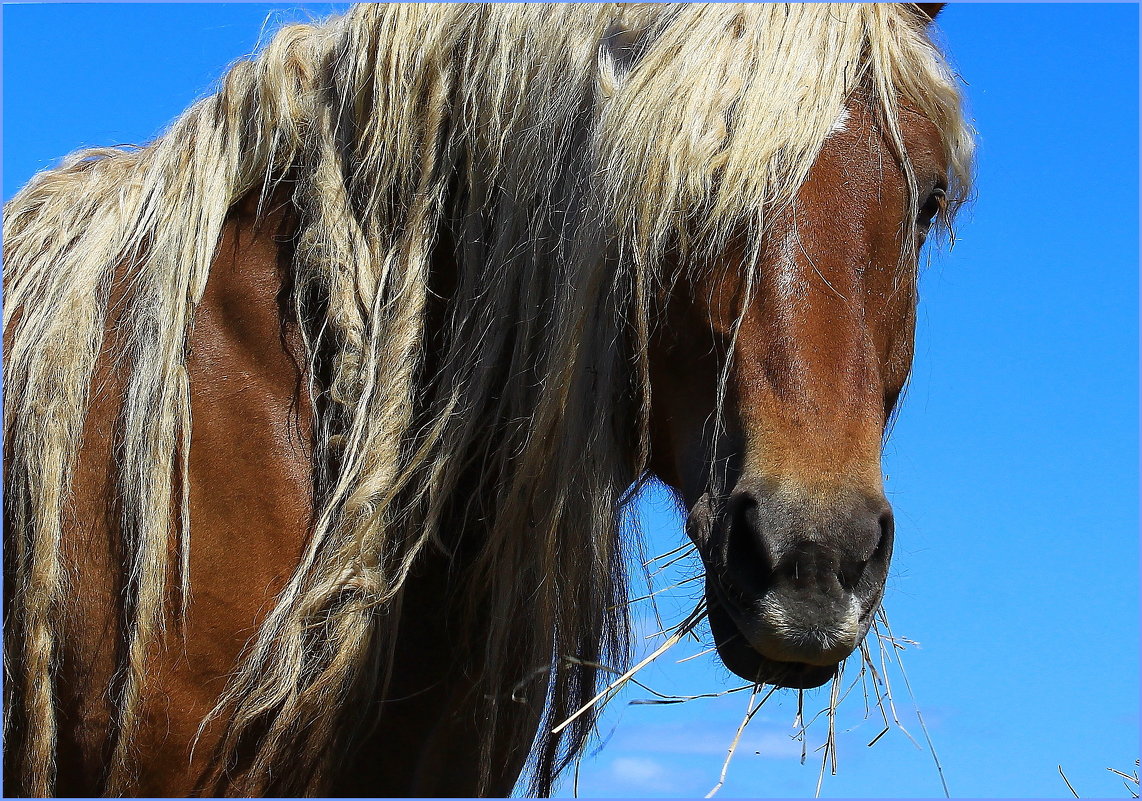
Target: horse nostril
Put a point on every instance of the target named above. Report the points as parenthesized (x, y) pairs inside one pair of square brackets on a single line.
[(747, 564), (848, 576), (884, 544), (741, 505), (886, 523), (744, 541), (849, 573)]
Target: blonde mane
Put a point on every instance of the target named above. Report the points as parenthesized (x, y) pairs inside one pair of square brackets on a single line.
[(557, 153)]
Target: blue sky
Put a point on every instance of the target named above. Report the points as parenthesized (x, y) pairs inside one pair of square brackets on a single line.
[(1014, 465)]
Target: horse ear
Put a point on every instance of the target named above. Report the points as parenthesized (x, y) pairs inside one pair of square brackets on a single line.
[(929, 10)]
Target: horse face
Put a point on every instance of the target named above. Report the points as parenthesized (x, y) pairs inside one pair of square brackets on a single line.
[(793, 525)]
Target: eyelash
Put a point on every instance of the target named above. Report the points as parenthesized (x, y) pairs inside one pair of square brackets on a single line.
[(930, 209)]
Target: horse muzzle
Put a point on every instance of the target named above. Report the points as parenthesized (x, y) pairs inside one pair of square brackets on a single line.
[(792, 579)]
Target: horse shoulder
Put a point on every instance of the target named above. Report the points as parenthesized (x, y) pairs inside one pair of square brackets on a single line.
[(250, 499)]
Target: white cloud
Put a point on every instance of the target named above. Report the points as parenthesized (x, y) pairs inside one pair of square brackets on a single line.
[(640, 772), (773, 744), (770, 742)]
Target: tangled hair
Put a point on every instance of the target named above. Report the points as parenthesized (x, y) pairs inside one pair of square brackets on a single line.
[(555, 152)]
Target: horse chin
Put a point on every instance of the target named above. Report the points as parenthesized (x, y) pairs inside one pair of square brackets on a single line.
[(741, 658)]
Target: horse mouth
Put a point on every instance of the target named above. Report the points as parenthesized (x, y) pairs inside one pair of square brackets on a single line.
[(744, 660)]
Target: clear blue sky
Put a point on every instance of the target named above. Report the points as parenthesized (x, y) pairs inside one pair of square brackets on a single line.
[(1013, 468)]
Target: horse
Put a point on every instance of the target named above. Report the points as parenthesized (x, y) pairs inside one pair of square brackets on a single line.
[(325, 409)]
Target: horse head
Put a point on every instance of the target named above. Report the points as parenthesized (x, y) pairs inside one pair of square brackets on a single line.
[(768, 423)]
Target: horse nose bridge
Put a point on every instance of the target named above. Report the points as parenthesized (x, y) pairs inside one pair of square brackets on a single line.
[(816, 431), (808, 386)]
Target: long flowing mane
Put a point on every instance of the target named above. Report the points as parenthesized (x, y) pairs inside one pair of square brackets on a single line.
[(562, 158)]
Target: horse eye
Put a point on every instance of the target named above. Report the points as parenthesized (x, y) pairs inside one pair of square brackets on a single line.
[(935, 203)]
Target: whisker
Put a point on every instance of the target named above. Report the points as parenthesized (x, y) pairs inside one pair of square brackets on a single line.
[(690, 630), (703, 653), (684, 547), (751, 710), (864, 685), (683, 629), (876, 682), (633, 601), (680, 699), (888, 687), (923, 727), (1128, 780), (1067, 782), (830, 747), (800, 720), (883, 732), (673, 561), (662, 698)]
